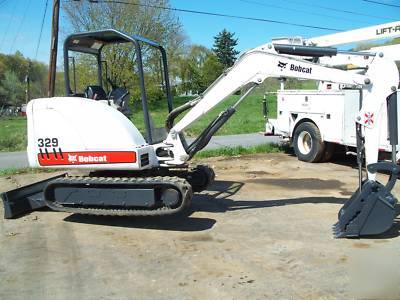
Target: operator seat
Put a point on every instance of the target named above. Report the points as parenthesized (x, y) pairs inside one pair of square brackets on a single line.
[(95, 92)]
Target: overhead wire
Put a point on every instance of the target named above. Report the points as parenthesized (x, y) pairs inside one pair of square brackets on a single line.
[(2, 2), (329, 8), (382, 3), (8, 25), (20, 26), (41, 29), (216, 14), (302, 11)]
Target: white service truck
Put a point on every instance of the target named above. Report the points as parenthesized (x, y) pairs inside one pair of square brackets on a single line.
[(317, 120)]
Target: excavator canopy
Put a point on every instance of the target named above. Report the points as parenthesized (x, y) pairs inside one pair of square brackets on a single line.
[(93, 41)]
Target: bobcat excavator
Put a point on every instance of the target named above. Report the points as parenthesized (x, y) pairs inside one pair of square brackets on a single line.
[(136, 175)]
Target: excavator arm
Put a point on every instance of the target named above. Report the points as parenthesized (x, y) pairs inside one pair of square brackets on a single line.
[(253, 67), (371, 209), (256, 65)]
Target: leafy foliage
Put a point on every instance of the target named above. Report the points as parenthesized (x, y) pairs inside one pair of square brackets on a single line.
[(198, 69), (224, 48), (369, 45), (153, 23), (13, 71), (11, 88)]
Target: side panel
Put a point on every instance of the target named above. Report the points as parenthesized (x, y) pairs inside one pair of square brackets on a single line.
[(334, 112), (83, 133), (351, 107), (323, 108)]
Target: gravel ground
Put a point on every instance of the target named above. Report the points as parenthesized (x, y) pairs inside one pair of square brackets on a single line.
[(262, 230)]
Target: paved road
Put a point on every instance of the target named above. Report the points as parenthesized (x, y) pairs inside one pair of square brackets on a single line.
[(245, 140), (11, 160), (19, 159)]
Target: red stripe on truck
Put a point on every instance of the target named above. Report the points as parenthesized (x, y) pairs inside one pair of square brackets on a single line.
[(86, 158)]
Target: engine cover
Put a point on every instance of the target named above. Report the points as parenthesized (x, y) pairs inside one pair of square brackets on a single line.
[(82, 133)]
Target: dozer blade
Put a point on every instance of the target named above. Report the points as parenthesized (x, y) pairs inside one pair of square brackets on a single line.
[(25, 199), (371, 211)]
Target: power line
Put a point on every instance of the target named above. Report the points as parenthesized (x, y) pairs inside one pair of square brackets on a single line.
[(41, 29), (302, 11), (20, 25), (381, 3), (215, 14), (340, 10), (9, 23), (2, 2)]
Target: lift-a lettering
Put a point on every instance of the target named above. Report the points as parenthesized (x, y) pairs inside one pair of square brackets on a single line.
[(386, 30)]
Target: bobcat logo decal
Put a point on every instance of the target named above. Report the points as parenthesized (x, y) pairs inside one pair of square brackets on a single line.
[(282, 65), (72, 158)]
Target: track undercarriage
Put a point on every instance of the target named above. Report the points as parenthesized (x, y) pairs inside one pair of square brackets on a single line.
[(115, 193)]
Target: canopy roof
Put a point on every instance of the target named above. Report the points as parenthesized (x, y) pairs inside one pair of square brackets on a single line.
[(93, 41)]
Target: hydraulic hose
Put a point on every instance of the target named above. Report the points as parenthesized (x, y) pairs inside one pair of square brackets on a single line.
[(169, 122)]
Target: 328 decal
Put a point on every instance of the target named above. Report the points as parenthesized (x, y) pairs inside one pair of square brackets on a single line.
[(47, 142)]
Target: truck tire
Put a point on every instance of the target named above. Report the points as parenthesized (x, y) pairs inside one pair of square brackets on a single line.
[(307, 143)]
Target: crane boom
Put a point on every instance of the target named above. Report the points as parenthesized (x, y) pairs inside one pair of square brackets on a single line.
[(365, 34), (377, 32)]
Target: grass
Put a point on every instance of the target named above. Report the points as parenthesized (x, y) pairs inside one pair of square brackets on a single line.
[(239, 150), (13, 134), (247, 119), (18, 171)]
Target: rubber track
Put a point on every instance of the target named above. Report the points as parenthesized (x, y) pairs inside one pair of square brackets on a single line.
[(182, 185)]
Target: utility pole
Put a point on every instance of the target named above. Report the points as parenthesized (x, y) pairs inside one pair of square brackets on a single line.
[(53, 48), (28, 84)]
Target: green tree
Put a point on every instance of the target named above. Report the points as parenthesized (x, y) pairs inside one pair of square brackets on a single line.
[(224, 48), (12, 89), (191, 70), (198, 69), (154, 23), (368, 45), (212, 69), (13, 71)]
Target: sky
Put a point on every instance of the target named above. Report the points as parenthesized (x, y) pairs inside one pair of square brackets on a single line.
[(20, 21)]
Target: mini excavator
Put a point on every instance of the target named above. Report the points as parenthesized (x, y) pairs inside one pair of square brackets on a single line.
[(146, 175)]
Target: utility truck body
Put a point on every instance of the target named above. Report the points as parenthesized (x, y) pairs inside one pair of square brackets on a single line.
[(333, 113)]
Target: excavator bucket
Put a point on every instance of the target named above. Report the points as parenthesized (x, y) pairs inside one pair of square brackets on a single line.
[(371, 209)]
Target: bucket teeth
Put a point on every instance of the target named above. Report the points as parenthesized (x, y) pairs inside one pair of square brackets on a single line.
[(337, 231)]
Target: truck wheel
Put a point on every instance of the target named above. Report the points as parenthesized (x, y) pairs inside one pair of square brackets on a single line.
[(307, 143)]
